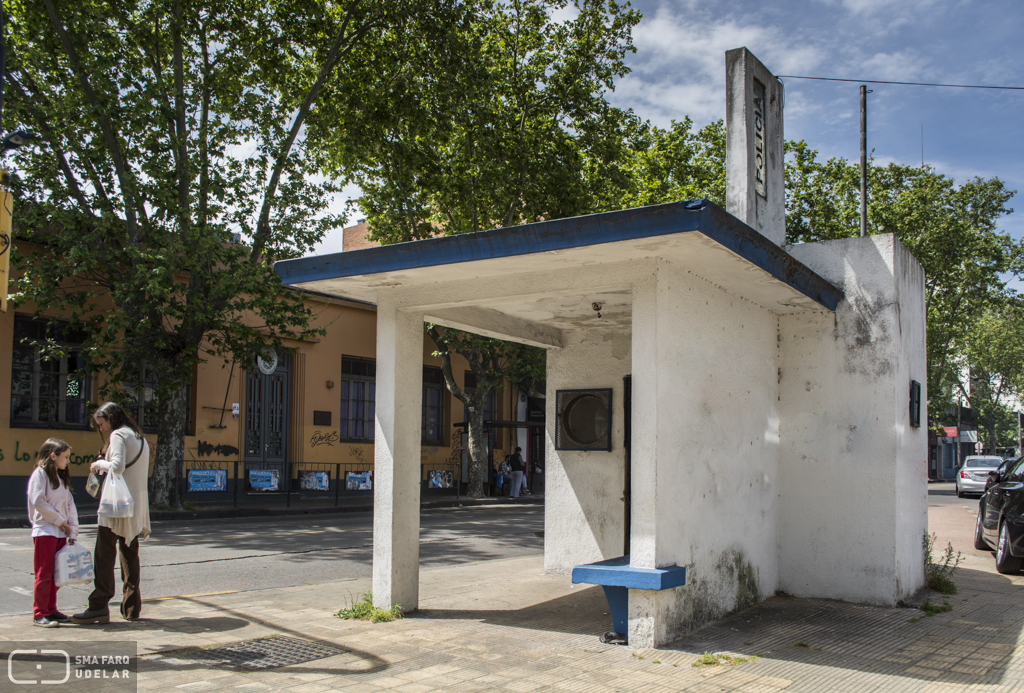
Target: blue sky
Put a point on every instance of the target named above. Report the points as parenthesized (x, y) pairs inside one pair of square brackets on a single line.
[(679, 70)]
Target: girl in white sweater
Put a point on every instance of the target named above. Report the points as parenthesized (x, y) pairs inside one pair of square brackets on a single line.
[(54, 517)]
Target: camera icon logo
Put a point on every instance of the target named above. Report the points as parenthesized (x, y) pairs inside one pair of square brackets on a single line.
[(25, 681)]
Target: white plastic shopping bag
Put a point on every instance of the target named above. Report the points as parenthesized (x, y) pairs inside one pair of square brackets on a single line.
[(72, 564), (116, 500)]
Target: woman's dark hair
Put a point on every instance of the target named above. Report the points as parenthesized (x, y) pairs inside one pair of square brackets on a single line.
[(116, 417), (56, 446)]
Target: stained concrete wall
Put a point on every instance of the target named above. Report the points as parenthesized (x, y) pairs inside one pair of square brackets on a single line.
[(853, 492), (705, 451), (584, 514)]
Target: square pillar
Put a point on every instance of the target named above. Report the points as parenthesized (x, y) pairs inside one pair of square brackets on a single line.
[(396, 488), (755, 172)]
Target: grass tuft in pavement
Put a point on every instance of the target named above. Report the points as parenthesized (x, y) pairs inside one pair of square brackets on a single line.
[(712, 659), (939, 573), (364, 610)]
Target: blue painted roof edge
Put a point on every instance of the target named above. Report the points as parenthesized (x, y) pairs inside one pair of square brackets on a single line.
[(562, 234), (509, 241), (730, 232)]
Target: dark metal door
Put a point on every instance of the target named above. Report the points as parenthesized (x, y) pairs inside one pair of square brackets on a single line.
[(266, 413)]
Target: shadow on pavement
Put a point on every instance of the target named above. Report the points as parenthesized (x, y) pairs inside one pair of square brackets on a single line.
[(584, 612), (975, 640), (171, 659)]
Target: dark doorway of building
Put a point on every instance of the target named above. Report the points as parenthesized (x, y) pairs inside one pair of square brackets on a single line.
[(267, 388)]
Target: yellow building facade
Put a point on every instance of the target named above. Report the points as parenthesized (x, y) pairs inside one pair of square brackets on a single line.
[(300, 424)]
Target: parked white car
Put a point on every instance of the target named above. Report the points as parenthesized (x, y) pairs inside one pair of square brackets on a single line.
[(971, 477)]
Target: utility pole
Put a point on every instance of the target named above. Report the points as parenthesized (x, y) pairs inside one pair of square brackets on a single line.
[(864, 91)]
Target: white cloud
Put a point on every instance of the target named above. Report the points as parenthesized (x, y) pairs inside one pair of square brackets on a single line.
[(661, 102), (698, 44), (904, 66), (679, 68)]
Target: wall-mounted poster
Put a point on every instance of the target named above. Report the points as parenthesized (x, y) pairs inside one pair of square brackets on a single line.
[(264, 479), (359, 481), (441, 478), (207, 480), (314, 481)]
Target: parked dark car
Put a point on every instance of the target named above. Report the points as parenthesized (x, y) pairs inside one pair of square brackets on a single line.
[(1001, 516)]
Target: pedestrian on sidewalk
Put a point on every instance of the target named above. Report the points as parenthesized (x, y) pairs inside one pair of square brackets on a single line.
[(126, 453), (504, 474), (54, 518), (518, 467)]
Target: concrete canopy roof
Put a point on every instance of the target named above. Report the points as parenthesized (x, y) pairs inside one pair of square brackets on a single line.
[(696, 235)]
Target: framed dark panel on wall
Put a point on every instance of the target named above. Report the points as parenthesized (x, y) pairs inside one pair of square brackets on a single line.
[(915, 404), (583, 420)]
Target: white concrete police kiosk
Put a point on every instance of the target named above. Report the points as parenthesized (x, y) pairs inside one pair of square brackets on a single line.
[(774, 441)]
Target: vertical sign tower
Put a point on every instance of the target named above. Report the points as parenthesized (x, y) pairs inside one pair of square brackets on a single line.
[(755, 177)]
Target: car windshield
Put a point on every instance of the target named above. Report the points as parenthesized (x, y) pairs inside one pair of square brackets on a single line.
[(984, 462)]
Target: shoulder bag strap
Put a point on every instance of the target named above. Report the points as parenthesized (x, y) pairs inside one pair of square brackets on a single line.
[(141, 448)]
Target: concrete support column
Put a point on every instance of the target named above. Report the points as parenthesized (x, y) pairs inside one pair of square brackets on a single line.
[(644, 458), (705, 452), (650, 612), (396, 495)]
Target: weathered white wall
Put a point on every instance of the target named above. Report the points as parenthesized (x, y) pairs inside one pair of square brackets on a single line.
[(705, 451), (912, 443), (853, 494), (584, 512)]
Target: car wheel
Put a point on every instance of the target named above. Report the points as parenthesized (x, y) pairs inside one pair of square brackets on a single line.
[(979, 533), (1006, 563)]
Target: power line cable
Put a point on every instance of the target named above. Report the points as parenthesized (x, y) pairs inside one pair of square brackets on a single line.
[(911, 84)]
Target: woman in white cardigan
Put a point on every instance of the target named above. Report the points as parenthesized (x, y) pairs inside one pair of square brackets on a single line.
[(127, 454)]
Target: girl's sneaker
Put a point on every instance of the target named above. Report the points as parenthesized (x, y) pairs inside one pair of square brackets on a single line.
[(59, 617), (45, 622)]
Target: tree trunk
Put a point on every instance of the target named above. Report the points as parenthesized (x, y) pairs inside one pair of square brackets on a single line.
[(165, 487), (477, 451)]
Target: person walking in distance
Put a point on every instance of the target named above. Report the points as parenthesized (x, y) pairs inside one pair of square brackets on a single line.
[(54, 518), (126, 453), (518, 467)]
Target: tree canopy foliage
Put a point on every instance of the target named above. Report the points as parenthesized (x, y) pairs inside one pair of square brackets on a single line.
[(505, 122), (502, 121), (990, 370), (167, 127)]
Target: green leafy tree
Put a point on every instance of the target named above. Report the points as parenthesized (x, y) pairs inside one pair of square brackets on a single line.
[(493, 362), (992, 371), (501, 121), (507, 124), (168, 126), (951, 229), (679, 163)]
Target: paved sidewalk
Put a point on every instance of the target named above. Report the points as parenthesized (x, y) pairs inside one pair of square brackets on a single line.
[(504, 626)]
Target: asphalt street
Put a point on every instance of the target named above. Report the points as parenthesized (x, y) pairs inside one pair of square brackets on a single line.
[(215, 556), (210, 556), (945, 494)]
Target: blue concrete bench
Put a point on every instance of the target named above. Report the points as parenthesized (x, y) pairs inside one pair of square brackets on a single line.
[(617, 577)]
